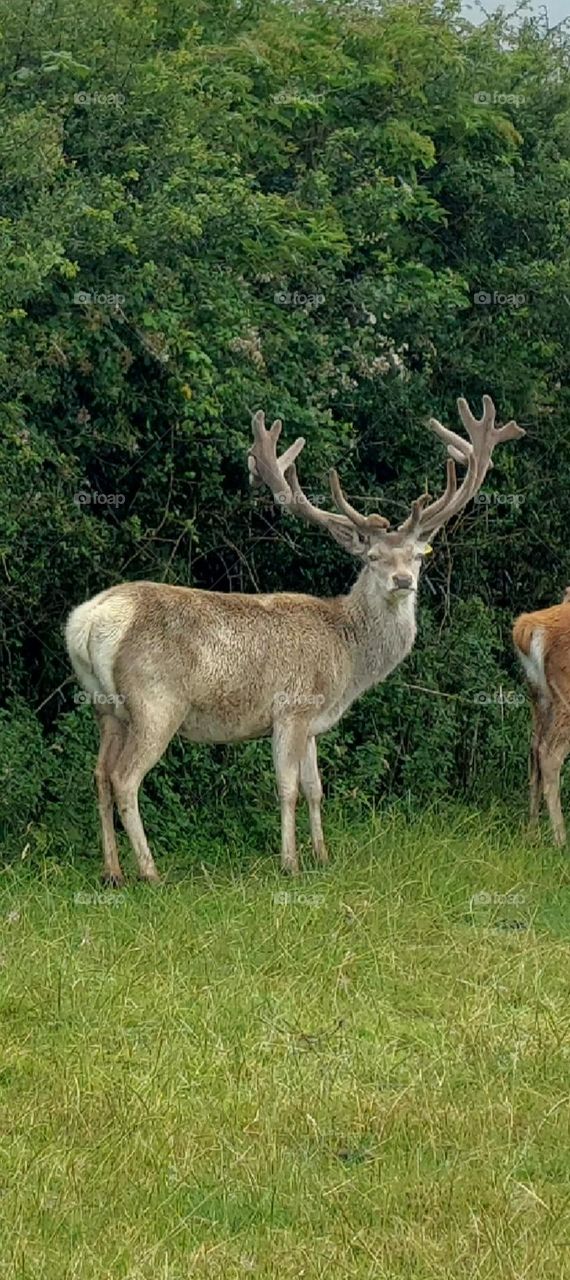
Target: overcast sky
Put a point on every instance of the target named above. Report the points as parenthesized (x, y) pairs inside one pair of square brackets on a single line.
[(557, 9)]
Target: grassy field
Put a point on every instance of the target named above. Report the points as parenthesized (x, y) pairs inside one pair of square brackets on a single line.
[(364, 1073)]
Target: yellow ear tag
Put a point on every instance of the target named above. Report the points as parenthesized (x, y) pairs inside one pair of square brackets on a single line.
[(428, 549)]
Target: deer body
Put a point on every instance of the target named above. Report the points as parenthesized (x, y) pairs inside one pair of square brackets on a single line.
[(232, 663), (541, 642), (157, 660)]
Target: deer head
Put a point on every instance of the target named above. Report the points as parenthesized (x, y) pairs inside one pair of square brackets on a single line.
[(393, 555)]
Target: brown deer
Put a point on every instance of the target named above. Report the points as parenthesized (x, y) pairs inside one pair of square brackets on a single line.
[(158, 660), (541, 643)]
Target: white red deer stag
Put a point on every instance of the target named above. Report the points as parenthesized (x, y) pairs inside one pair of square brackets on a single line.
[(542, 643), (158, 660)]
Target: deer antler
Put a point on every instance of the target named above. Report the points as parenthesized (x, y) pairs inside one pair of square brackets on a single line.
[(264, 465), (354, 531), (475, 453), (280, 475)]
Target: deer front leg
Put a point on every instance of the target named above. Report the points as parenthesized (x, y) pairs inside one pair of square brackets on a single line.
[(289, 746), (313, 792)]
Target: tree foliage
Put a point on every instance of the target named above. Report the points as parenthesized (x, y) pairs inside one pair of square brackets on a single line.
[(347, 214)]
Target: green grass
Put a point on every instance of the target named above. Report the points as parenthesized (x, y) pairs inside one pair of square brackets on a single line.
[(368, 1077)]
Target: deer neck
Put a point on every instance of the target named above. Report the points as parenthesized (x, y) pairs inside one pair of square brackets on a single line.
[(381, 631)]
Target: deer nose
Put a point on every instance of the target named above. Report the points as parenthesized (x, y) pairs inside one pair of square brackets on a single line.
[(403, 581)]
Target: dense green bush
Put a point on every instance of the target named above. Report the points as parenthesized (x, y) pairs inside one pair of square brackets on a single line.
[(346, 214), (24, 770)]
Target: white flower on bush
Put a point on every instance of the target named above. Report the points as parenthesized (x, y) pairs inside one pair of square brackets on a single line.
[(249, 346), (392, 360)]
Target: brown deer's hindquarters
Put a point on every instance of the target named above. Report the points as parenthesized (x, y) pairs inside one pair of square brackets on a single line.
[(529, 644), (541, 643)]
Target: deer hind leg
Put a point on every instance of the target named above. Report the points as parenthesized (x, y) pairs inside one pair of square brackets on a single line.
[(551, 764), (289, 748), (146, 740), (553, 744), (553, 749), (112, 738), (313, 792), (535, 770)]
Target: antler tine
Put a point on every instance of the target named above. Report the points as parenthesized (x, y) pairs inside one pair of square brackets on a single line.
[(365, 523), (280, 474), (357, 518), (264, 465), (458, 448), (480, 430), (413, 521), (420, 513), (302, 505), (476, 452), (448, 493), (477, 426), (510, 431)]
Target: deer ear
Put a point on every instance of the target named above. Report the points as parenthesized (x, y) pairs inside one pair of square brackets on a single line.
[(349, 538)]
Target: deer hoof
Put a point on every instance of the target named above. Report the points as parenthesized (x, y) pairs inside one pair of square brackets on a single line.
[(112, 881)]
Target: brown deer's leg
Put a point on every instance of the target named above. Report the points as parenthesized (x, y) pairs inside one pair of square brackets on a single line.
[(552, 750), (289, 747), (313, 792), (534, 761), (112, 738), (145, 742)]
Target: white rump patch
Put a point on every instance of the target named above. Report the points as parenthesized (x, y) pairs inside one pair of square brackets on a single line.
[(93, 634), (533, 662)]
